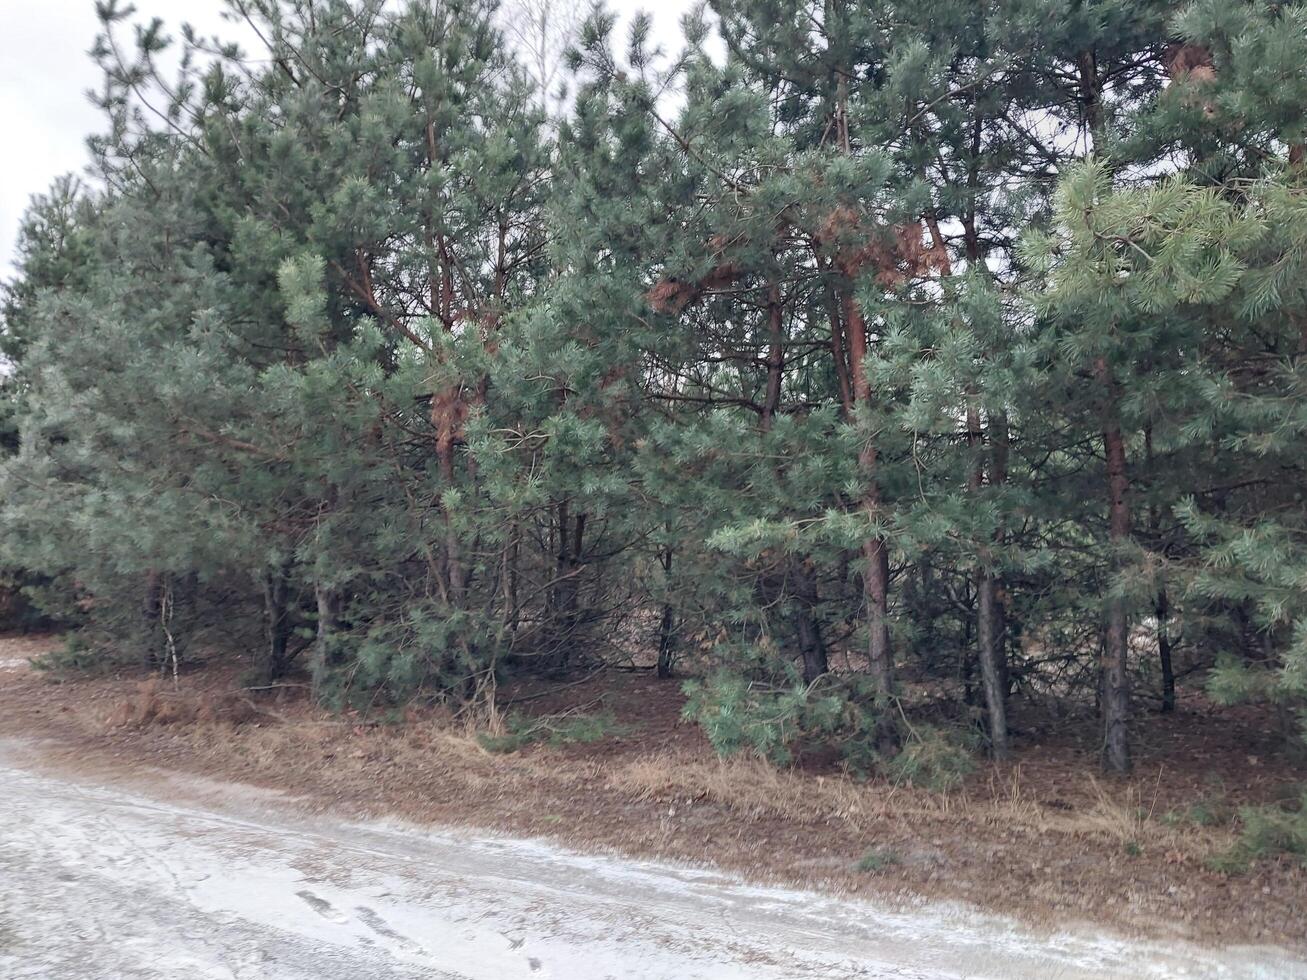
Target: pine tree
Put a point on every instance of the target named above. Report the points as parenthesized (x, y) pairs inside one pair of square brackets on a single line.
[(943, 345)]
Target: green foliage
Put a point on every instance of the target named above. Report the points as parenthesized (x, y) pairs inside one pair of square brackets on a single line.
[(1266, 832), (352, 351), (555, 730), (932, 759), (21, 608), (76, 656), (776, 722), (878, 859), (1203, 813), (737, 718), (1275, 829), (772, 722), (1232, 682)]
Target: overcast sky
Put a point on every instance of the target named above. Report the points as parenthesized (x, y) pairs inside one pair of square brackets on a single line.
[(45, 73)]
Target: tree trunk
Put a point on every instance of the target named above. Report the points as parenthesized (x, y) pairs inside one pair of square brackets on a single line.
[(1091, 98), (875, 577), (454, 573), (1116, 691), (811, 644), (153, 641), (839, 354), (812, 647), (992, 673), (775, 356), (571, 533), (879, 652), (1161, 602), (667, 626), (987, 642), (999, 450), (1115, 697), (876, 573), (1116, 679), (513, 559), (991, 668), (1162, 610), (875, 555), (276, 622), (327, 654), (968, 661), (666, 641)]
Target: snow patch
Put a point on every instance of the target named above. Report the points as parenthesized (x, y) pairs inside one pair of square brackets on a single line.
[(237, 885)]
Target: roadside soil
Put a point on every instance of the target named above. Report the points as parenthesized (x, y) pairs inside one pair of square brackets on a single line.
[(1040, 838)]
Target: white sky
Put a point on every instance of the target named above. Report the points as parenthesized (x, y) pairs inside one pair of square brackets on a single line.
[(45, 73)]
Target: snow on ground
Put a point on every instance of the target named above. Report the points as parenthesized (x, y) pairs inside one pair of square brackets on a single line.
[(100, 882)]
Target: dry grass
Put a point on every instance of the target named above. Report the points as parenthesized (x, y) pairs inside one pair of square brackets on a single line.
[(752, 788), (155, 703), (1126, 816), (449, 755), (450, 750), (1042, 838)]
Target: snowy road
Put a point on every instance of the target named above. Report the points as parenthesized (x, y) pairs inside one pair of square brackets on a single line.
[(222, 882)]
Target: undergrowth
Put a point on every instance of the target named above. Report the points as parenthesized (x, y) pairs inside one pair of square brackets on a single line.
[(777, 722), (76, 656), (1266, 832), (878, 859), (932, 758), (561, 729)]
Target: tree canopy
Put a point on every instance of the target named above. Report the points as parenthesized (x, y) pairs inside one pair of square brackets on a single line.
[(853, 353)]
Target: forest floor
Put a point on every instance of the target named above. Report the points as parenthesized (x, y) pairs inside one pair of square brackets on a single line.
[(1041, 838)]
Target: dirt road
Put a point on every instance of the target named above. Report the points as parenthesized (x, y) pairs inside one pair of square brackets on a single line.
[(193, 880)]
